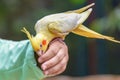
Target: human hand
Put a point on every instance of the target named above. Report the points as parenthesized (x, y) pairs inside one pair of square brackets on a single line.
[(54, 60)]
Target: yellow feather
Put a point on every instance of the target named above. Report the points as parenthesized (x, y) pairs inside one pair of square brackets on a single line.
[(81, 9), (84, 31), (32, 39)]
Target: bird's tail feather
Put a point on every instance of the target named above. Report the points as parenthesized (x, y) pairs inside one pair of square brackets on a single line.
[(81, 9), (84, 31)]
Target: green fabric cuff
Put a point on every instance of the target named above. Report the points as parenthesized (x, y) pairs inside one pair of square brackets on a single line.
[(17, 61)]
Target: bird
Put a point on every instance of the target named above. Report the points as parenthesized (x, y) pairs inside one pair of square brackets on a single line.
[(59, 25)]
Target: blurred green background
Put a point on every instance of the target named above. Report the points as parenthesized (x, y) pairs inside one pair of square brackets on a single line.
[(87, 56)]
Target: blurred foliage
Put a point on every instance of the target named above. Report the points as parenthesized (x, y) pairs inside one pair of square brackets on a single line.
[(16, 14), (77, 2), (87, 56)]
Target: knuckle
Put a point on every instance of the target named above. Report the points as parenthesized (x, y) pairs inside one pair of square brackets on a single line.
[(62, 68), (42, 58), (51, 71), (53, 51), (49, 64), (62, 64), (58, 58)]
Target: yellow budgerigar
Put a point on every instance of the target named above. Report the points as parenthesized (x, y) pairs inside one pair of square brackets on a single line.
[(60, 25)]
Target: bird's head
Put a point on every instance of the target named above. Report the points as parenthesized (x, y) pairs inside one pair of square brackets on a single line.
[(38, 42)]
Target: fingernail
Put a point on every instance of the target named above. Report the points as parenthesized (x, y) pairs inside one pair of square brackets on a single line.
[(44, 67)]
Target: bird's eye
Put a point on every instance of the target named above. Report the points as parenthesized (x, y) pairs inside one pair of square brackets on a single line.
[(40, 45)]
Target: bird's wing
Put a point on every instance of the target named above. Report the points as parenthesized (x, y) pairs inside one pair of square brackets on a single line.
[(55, 29), (81, 9), (84, 31), (69, 22)]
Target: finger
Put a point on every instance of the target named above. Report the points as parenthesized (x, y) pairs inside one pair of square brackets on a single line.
[(59, 68), (39, 53), (56, 69), (51, 52), (55, 60)]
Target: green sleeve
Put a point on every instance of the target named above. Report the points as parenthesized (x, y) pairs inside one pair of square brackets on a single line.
[(17, 61)]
